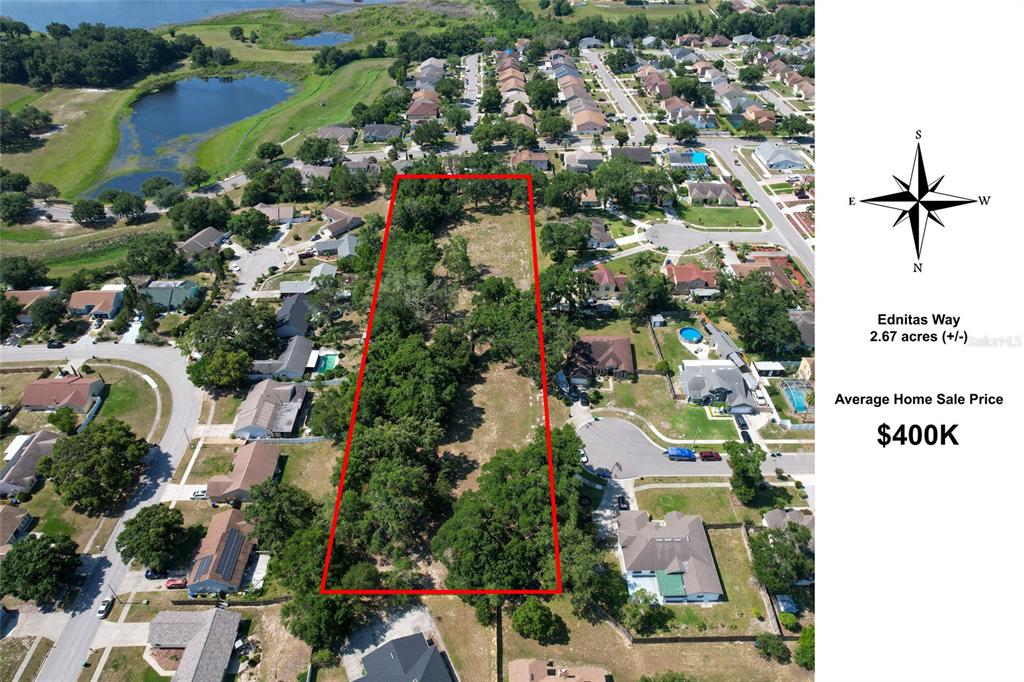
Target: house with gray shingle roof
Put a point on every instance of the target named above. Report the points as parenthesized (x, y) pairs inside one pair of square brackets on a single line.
[(777, 157), (711, 382), (21, 459), (292, 316), (207, 639), (271, 409), (290, 364), (413, 658), (671, 559)]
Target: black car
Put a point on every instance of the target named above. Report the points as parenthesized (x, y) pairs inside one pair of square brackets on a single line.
[(745, 435), (622, 503), (155, 575), (584, 400), (740, 422), (55, 344)]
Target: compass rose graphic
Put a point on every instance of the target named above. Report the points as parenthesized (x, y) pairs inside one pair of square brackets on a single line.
[(918, 201)]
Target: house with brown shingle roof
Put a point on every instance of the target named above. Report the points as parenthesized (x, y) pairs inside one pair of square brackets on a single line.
[(338, 222), (343, 134), (588, 121), (717, 41), (595, 356), (607, 284), (14, 522), (72, 391), (711, 193), (223, 554), (764, 118), (102, 304), (276, 213), (253, 464), (523, 120), (27, 297), (271, 409), (421, 110), (671, 559), (538, 160)]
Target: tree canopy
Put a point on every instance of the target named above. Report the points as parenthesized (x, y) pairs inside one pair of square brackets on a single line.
[(39, 568), (153, 537)]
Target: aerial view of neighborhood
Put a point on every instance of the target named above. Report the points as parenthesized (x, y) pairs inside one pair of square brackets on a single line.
[(392, 341)]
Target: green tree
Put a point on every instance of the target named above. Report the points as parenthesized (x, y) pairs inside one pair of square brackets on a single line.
[(620, 60), (39, 568), (428, 134), (683, 132), (153, 537), (318, 151), (543, 92), (42, 190), (804, 656), (648, 290), (20, 272), (197, 213), (96, 469), (558, 239), (127, 206), (194, 176), (449, 88), (10, 308), (87, 211), (745, 460), (617, 178), (565, 190), (398, 504), (277, 511), (236, 33), (223, 368), (48, 311), (751, 75), (642, 613), (622, 137), (553, 126), (761, 314), (788, 621), (534, 620), (15, 207), (154, 254), (268, 151), (456, 118), (456, 258), (152, 186), (64, 418), (490, 101), (771, 647), (781, 557), (250, 224), (12, 181)]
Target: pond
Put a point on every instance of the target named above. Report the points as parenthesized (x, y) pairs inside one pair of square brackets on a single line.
[(156, 139), (322, 39)]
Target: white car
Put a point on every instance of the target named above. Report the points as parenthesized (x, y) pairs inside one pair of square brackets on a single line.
[(199, 494), (105, 606), (583, 456)]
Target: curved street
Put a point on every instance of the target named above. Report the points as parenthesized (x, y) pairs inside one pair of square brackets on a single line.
[(106, 570)]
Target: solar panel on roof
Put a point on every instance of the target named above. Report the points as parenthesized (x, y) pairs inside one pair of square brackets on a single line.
[(226, 562), (204, 566)]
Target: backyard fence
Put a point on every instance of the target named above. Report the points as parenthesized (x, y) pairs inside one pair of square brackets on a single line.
[(244, 602)]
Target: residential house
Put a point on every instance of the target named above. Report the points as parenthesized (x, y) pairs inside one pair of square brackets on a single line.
[(640, 155), (701, 67), (76, 392), (806, 369), (538, 160), (170, 294), (681, 111), (252, 464), (791, 78), (711, 382), (310, 172), (14, 523), (733, 99), (772, 266), (21, 459), (276, 213), (589, 121), (777, 157), (689, 40), (270, 410), (778, 518), (203, 641), (725, 347), (369, 165), (291, 317), (422, 110), (290, 364), (412, 658), (686, 277), (206, 239), (511, 99), (293, 287), (342, 247), (595, 356), (223, 554), (803, 51), (523, 120), (711, 193), (804, 89), (683, 54), (381, 132), (689, 160), (671, 559), (777, 67), (745, 40), (343, 134), (717, 41), (763, 57), (583, 162), (764, 118), (589, 198), (600, 237), (656, 85), (804, 321), (338, 222), (522, 44), (591, 44), (650, 42), (535, 670), (607, 284), (322, 270), (27, 298), (779, 39), (101, 305)]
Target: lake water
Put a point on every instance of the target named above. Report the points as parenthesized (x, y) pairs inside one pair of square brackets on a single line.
[(157, 137), (136, 13), (321, 39)]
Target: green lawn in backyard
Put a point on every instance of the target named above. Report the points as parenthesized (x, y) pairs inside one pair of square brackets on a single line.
[(622, 265), (74, 158), (212, 460), (668, 338), (226, 407), (168, 322), (321, 101), (54, 518), (721, 216), (310, 466), (736, 614), (650, 398), (643, 347), (714, 505)]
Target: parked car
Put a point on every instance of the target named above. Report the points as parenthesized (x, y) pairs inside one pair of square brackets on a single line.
[(776, 454), (315, 238), (152, 574), (710, 456), (622, 503), (740, 422), (584, 400), (745, 435), (761, 400), (176, 583), (55, 344), (98, 324), (105, 606), (583, 456), (681, 455), (199, 494)]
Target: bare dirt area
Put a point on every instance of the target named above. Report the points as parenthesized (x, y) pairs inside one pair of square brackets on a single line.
[(499, 245), (282, 656)]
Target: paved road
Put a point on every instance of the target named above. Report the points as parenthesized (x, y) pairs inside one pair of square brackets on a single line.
[(76, 638), (473, 90), (637, 129), (252, 264), (623, 450)]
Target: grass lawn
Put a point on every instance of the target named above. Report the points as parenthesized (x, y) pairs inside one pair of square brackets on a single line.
[(598, 644), (129, 399), (722, 216), (14, 96), (36, 662), (652, 480), (161, 387), (746, 155), (310, 466), (736, 614), (216, 35), (226, 407), (158, 601), (168, 322), (471, 646), (643, 346), (674, 418), (89, 669), (668, 338), (321, 101), (714, 505), (622, 265), (12, 385), (211, 461), (12, 653), (58, 243), (54, 518), (74, 158), (781, 188), (125, 664), (498, 244)]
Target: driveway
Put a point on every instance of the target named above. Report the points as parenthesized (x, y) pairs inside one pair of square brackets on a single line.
[(399, 623), (255, 263)]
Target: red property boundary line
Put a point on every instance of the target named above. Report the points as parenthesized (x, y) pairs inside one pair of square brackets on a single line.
[(362, 368)]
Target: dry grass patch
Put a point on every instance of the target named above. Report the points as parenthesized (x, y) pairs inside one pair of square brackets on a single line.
[(499, 245), (311, 467), (470, 646), (12, 653), (282, 655), (140, 612)]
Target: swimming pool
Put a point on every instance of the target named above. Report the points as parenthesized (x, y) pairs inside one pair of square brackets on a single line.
[(325, 363), (796, 399), (690, 335)]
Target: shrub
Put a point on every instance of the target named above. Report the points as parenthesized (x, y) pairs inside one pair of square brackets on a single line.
[(799, 485), (772, 647), (788, 621), (757, 613)]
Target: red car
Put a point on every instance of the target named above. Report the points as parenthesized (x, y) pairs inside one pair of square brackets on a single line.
[(710, 456), (176, 583)]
